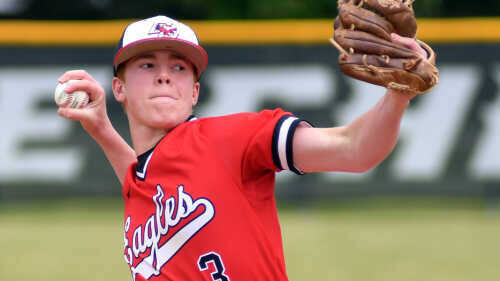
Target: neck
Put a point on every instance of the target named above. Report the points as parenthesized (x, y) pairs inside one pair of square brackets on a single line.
[(145, 138)]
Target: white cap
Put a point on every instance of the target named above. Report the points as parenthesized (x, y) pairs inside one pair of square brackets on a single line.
[(160, 33)]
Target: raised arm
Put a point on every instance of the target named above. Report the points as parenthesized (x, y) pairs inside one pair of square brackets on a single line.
[(94, 119), (356, 147), (360, 145)]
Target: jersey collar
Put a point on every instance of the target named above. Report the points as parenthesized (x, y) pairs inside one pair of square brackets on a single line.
[(143, 159)]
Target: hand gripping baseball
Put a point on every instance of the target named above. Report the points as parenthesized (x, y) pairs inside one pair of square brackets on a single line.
[(368, 52), (93, 116)]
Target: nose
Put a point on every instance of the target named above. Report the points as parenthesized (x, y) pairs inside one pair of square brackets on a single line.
[(163, 77)]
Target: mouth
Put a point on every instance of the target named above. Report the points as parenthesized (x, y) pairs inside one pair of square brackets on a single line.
[(162, 98)]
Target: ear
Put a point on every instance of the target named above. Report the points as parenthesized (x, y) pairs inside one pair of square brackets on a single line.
[(118, 87), (196, 93)]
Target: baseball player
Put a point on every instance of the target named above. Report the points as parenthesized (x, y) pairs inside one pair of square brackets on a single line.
[(199, 192)]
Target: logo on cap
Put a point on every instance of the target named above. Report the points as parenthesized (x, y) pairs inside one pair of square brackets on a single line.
[(169, 30)]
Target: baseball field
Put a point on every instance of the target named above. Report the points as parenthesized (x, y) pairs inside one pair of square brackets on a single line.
[(359, 240)]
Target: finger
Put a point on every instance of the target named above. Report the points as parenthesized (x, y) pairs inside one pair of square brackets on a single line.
[(77, 74), (406, 41), (92, 88), (72, 113), (410, 43)]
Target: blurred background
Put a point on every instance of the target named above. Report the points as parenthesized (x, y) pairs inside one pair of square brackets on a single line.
[(430, 211)]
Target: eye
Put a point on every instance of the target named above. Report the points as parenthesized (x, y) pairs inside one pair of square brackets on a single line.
[(146, 65), (179, 67)]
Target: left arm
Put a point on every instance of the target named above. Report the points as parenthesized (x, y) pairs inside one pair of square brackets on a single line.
[(362, 144), (357, 147)]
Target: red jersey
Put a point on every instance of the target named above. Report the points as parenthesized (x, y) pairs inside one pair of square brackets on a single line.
[(200, 205)]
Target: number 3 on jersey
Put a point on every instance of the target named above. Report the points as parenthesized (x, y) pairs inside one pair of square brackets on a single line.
[(216, 260)]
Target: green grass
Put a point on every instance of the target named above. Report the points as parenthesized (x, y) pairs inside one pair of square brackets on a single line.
[(388, 240)]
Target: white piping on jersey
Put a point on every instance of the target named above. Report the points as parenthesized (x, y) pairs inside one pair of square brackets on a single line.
[(159, 225), (142, 174), (282, 140)]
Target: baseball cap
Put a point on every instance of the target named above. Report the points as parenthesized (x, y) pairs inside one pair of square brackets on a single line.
[(160, 33)]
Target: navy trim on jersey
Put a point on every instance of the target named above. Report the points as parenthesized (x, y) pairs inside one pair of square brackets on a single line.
[(282, 143), (141, 167), (191, 118), (274, 145)]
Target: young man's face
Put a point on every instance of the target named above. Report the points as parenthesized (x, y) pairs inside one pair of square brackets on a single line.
[(158, 89)]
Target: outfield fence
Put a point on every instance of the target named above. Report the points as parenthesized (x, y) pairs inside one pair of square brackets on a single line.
[(449, 142)]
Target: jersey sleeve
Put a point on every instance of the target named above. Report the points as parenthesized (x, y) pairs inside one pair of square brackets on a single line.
[(252, 146), (282, 143), (271, 144)]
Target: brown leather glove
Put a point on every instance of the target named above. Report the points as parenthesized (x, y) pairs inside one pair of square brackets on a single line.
[(362, 33)]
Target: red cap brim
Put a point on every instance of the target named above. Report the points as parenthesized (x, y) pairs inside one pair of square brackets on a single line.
[(194, 53)]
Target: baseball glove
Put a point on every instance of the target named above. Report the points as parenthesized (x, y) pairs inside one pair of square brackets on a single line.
[(362, 34)]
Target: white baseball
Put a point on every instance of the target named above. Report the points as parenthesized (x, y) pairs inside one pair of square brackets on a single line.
[(77, 99)]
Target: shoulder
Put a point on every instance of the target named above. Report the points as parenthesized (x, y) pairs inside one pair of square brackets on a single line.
[(244, 117)]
